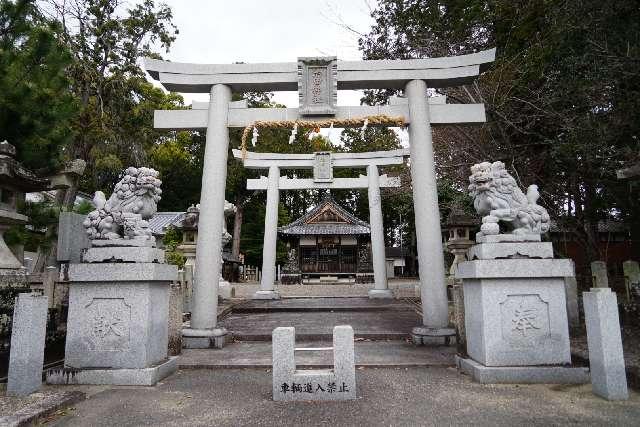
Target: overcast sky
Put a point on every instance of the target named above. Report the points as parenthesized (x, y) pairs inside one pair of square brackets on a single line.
[(227, 31)]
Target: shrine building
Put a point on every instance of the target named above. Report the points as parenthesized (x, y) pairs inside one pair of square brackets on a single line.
[(328, 244)]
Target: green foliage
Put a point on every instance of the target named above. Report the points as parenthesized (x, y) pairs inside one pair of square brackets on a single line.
[(83, 208), (179, 161), (107, 38), (563, 96), (175, 258), (35, 102), (172, 238)]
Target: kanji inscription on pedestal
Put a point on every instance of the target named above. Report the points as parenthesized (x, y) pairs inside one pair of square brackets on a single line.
[(109, 324), (525, 320)]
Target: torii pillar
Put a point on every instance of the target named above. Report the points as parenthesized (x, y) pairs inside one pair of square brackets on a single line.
[(433, 290), (203, 331)]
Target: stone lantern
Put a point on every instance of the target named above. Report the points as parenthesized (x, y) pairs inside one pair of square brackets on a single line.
[(459, 226), (15, 181), (189, 228)]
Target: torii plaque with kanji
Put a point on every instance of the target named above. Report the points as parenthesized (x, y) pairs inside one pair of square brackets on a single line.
[(318, 86)]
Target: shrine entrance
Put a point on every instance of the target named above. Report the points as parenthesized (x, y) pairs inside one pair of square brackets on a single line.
[(317, 81)]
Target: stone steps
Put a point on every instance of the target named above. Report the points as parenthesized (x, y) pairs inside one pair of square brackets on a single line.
[(314, 318), (368, 354)]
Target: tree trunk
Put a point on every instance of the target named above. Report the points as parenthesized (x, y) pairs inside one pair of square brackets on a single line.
[(237, 229)]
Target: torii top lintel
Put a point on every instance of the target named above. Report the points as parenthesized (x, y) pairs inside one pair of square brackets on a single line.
[(283, 76)]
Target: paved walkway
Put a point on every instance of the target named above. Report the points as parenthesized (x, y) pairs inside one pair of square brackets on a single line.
[(386, 397)]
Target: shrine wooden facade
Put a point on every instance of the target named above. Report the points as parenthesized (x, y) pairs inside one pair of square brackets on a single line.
[(329, 241)]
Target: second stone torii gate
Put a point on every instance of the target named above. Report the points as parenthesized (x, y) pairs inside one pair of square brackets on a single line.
[(322, 164)]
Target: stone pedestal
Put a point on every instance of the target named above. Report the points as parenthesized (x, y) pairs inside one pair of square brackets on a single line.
[(515, 313), (117, 329)]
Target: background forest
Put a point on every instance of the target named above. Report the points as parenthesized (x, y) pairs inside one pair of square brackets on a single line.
[(562, 100)]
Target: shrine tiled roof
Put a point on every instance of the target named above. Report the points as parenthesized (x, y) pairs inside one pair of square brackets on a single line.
[(311, 223), (161, 220)]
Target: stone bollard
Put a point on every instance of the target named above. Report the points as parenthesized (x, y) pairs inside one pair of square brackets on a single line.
[(188, 289), (458, 312), (599, 276), (606, 358), (175, 319), (571, 293), (631, 279), (49, 283), (290, 384), (27, 344)]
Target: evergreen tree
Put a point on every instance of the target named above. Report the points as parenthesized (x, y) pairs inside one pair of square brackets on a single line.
[(35, 102)]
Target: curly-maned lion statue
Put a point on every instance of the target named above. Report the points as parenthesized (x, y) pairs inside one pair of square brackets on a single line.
[(498, 199), (134, 200)]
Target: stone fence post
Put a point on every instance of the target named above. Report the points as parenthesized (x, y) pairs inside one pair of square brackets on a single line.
[(27, 344), (606, 360), (599, 274)]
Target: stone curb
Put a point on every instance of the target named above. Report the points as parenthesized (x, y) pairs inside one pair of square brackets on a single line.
[(31, 413)]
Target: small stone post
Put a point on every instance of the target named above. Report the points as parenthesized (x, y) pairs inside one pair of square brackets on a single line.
[(571, 292), (27, 344), (599, 274), (187, 290), (458, 313), (631, 277), (175, 317), (606, 359), (381, 286)]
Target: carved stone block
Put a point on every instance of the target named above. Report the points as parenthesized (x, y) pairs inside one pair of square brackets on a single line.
[(515, 311), (118, 315), (318, 86)]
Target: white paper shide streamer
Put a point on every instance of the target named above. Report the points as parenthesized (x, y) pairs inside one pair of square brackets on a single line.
[(364, 127), (294, 132), (254, 137)]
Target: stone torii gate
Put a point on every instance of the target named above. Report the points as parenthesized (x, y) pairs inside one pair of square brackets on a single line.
[(322, 164), (317, 81)]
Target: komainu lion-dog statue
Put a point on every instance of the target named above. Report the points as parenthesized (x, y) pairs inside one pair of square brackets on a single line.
[(498, 199), (134, 200)]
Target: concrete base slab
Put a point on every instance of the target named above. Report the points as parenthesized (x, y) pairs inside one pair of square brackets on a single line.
[(266, 295), (145, 376), (422, 335), (380, 294), (523, 374), (204, 338)]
